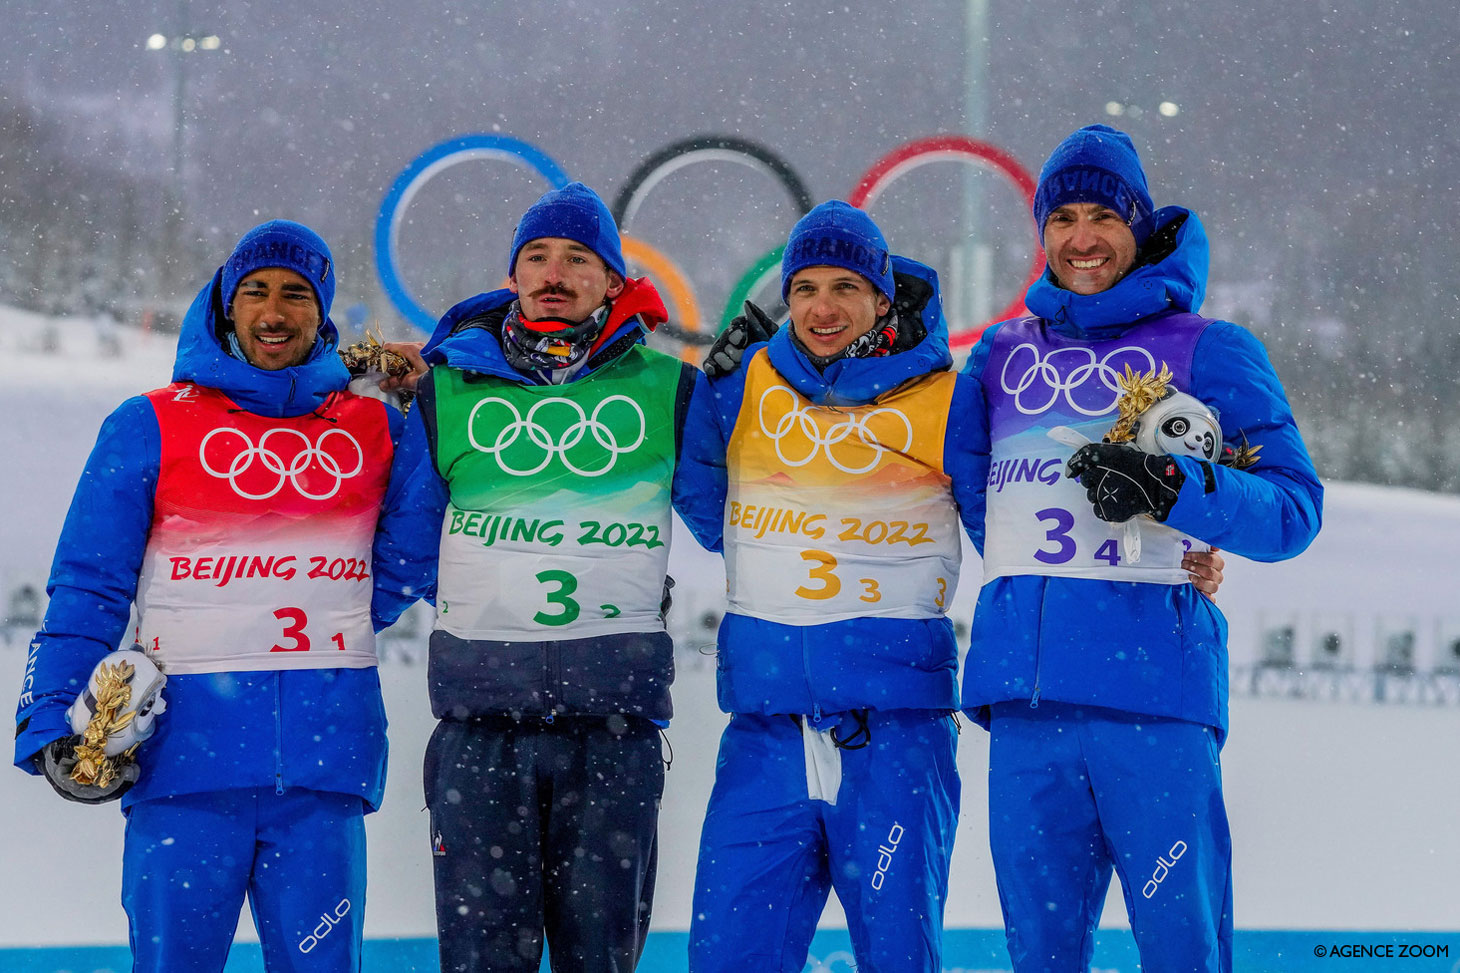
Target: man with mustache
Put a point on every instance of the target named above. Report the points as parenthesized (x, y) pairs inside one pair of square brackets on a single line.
[(262, 518), (1102, 675), (554, 433)]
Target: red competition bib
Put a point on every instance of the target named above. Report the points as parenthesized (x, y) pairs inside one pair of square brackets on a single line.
[(259, 552)]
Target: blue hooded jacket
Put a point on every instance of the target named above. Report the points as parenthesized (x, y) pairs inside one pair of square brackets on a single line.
[(322, 729), (1152, 649), (862, 663)]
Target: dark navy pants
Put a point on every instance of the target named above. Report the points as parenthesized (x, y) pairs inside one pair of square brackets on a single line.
[(544, 829), (299, 857), (1075, 792)]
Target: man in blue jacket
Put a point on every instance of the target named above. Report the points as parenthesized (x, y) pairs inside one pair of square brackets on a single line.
[(261, 517), (827, 468), (1100, 673), (554, 434)]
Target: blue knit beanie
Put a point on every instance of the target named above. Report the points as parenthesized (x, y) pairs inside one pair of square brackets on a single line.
[(576, 213), (282, 243), (1097, 164), (837, 234)]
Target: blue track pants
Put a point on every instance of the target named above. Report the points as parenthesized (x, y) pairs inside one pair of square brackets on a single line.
[(1077, 791), (769, 856), (299, 857)]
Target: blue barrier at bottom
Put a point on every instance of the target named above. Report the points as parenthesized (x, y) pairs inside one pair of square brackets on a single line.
[(965, 951)]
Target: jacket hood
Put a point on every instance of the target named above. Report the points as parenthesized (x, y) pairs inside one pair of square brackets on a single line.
[(1173, 278), (855, 381), (477, 349), (294, 391)]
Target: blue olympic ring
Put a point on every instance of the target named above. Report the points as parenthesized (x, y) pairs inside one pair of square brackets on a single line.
[(439, 157)]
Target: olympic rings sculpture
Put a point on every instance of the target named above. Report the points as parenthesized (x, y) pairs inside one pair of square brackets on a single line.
[(542, 437), (312, 453), (800, 419), (686, 322)]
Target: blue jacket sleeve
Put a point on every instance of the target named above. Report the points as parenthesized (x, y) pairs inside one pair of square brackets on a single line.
[(1267, 512), (700, 479), (966, 455), (968, 433), (94, 574), (407, 537)]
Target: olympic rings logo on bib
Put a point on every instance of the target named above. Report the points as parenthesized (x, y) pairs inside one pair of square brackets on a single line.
[(542, 442), (798, 419), (252, 468), (1088, 384)]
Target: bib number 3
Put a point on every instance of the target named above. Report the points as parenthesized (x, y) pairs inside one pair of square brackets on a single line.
[(569, 609), (294, 620)]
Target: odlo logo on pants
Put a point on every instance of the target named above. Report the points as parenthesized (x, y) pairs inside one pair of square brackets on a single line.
[(326, 924), (885, 853)]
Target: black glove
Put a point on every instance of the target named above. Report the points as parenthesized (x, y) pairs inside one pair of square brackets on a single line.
[(1123, 482), (749, 328), (56, 762)]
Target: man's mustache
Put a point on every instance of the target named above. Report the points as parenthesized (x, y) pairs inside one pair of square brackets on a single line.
[(553, 290)]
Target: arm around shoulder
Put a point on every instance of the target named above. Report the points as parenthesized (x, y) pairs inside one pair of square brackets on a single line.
[(407, 536)]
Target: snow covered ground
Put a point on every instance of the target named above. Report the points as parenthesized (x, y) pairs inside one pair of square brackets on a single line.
[(1343, 809)]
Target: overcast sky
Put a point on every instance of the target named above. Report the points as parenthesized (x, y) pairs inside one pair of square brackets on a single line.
[(1286, 113)]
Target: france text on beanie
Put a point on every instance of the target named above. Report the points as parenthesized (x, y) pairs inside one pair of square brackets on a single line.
[(283, 243), (837, 234), (1096, 164)]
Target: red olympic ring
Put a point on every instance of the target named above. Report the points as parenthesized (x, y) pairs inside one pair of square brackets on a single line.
[(939, 148)]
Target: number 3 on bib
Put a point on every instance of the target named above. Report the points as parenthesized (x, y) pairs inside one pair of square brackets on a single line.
[(567, 584), (294, 620), (822, 567)]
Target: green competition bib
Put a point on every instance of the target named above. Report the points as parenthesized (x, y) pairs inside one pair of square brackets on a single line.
[(559, 518)]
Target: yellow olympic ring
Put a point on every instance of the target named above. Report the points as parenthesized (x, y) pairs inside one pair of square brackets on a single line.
[(685, 310)]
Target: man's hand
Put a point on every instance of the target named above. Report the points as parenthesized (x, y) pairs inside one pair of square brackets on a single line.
[(411, 352), (57, 761), (1205, 570), (749, 328), (1122, 482)]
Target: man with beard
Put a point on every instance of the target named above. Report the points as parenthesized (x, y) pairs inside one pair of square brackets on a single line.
[(263, 519), (1100, 673)]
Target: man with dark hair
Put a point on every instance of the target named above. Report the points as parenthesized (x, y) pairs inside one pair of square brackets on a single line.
[(255, 511), (1101, 674), (827, 468), (554, 434)]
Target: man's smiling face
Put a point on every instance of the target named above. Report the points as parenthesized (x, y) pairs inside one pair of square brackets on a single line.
[(276, 317), (1089, 247)]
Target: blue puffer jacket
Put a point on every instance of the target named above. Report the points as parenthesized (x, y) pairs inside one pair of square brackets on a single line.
[(1146, 648), (322, 729), (860, 663)]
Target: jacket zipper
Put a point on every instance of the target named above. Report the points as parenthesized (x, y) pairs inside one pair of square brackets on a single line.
[(806, 672), (550, 676), (1039, 646), (278, 732)]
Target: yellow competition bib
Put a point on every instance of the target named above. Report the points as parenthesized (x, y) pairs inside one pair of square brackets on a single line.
[(840, 512)]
